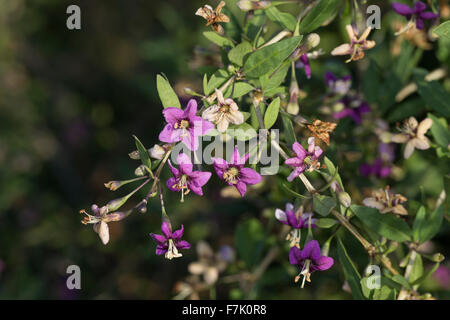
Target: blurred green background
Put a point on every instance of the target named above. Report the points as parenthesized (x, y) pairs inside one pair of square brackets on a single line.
[(70, 102)]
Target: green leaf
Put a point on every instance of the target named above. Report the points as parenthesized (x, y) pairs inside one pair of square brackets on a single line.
[(323, 204), (323, 11), (350, 271), (295, 194), (271, 115), (143, 153), (217, 39), (325, 223), (383, 293), (332, 170), (243, 132), (237, 54), (249, 240), (440, 133), (288, 129), (267, 59), (386, 225), (269, 81), (240, 89), (426, 275), (284, 19), (166, 93), (429, 228), (417, 269), (432, 92), (419, 222), (402, 281), (443, 30), (217, 79)]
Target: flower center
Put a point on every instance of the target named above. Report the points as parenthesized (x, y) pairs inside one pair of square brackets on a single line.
[(231, 175), (172, 251), (305, 273), (183, 124), (224, 109), (181, 185)]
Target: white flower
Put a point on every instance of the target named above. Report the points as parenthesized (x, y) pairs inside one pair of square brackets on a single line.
[(223, 113), (413, 134)]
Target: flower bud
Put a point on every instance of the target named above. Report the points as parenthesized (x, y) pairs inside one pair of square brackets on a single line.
[(140, 171), (344, 199), (293, 107), (312, 41), (115, 204), (157, 152), (247, 5), (438, 257), (113, 185), (134, 155)]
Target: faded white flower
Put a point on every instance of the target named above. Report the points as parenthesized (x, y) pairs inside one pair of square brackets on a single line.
[(223, 113), (209, 264), (356, 47), (413, 134), (100, 220), (386, 201)]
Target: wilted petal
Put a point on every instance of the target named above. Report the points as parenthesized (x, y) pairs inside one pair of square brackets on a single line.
[(399, 209), (373, 203), (103, 232), (409, 149), (210, 113), (421, 143), (211, 275), (196, 268), (424, 125), (400, 138), (222, 124), (235, 117), (343, 49)]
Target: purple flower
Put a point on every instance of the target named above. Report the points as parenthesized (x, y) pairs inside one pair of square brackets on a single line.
[(417, 13), (375, 169), (305, 160), (309, 260), (169, 243), (339, 86), (303, 62), (353, 107), (382, 165), (234, 173), (289, 218), (184, 126), (185, 179)]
